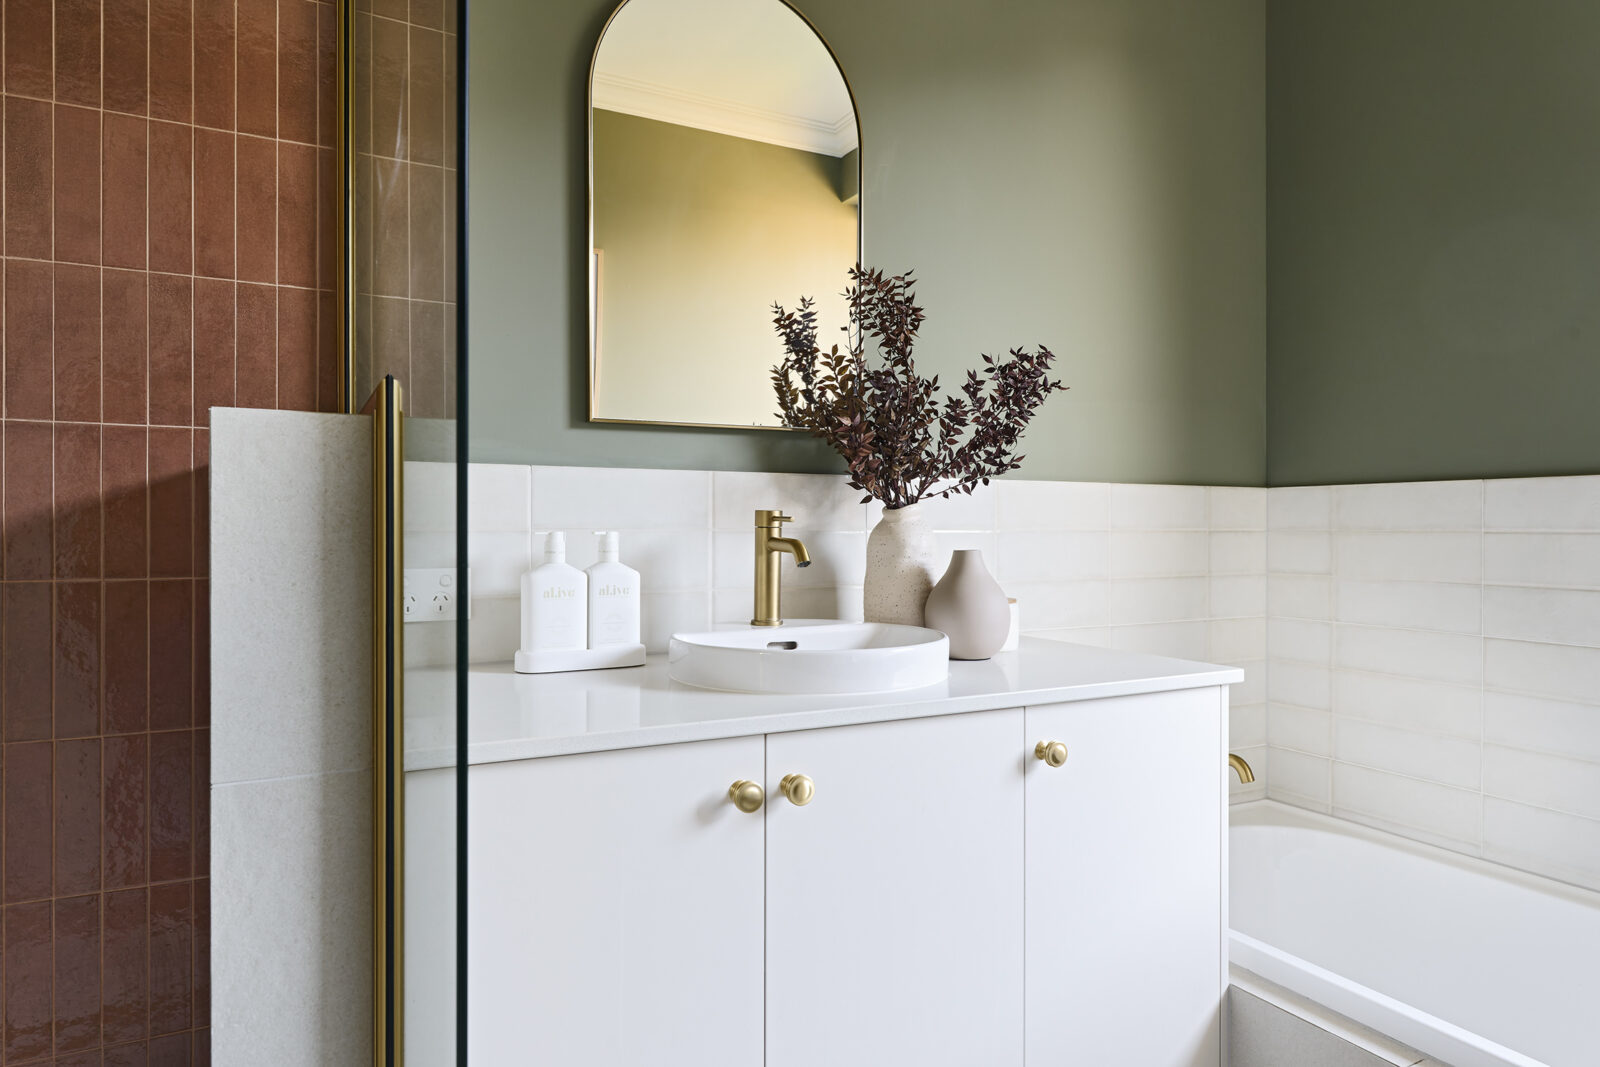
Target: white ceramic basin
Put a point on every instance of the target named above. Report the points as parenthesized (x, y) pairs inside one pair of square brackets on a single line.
[(811, 656)]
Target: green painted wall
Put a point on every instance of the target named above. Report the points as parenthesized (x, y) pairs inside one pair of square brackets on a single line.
[(1434, 239), (1087, 174)]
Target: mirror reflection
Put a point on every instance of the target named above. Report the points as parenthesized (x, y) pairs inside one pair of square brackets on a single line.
[(725, 173)]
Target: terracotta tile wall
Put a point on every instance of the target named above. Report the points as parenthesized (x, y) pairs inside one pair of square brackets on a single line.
[(403, 115), (168, 247)]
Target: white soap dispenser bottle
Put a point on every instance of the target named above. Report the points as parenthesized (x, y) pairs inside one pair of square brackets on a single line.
[(555, 602), (613, 597)]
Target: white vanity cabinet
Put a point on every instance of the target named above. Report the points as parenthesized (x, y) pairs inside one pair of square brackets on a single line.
[(894, 898), (943, 899)]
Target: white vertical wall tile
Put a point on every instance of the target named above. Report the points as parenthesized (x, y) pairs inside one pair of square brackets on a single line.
[(1557, 671), (1238, 552), (1409, 506), (1410, 605), (1539, 725), (1543, 504), (1237, 508), (1299, 552), (1299, 778), (430, 497), (1051, 557), (1305, 730), (1300, 596), (1409, 703), (1140, 600), (498, 497), (1025, 505), (1300, 508), (1238, 595), (594, 498), (1563, 561), (1164, 554), (1556, 616), (819, 501), (1423, 808), (1158, 507), (1300, 641), (1413, 557), (1543, 841), (1455, 658), (1300, 684), (1542, 780), (1446, 760)]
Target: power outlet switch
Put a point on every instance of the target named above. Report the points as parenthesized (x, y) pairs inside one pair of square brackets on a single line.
[(434, 595)]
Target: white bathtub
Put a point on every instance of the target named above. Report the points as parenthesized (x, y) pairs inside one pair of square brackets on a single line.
[(1469, 962)]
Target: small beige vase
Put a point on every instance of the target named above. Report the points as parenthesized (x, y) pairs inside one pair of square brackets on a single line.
[(900, 561), (970, 607)]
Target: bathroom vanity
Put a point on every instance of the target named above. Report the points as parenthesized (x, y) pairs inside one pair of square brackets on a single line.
[(1024, 864)]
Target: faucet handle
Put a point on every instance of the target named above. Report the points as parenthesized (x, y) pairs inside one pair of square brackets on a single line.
[(771, 518)]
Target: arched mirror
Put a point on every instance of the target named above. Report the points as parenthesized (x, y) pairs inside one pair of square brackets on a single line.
[(724, 175)]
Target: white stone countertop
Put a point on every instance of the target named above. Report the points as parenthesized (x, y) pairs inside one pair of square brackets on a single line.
[(526, 716)]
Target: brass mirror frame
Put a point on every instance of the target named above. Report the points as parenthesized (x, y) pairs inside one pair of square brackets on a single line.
[(589, 265)]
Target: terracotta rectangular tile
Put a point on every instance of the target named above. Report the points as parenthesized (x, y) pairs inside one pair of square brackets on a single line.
[(171, 180), (362, 364), (258, 210), (126, 657), (297, 214), (202, 804), (213, 203), (134, 1055), (391, 339), (202, 511), (77, 343), (329, 241), (124, 492), (125, 151), (202, 951), (28, 48), (451, 207), (258, 67), (78, 52), (258, 346), (329, 370), (171, 962), (27, 821), (26, 1033), (77, 975), (77, 184), (172, 1050), (77, 501), (213, 64), (425, 85), (127, 56), (28, 522), (297, 71), (29, 126), (171, 805), (202, 666), (29, 288), (361, 106), (450, 369), (90, 1058), (171, 656), (390, 113), (125, 810), (125, 346), (171, 350), (425, 391), (297, 349), (327, 70), (391, 245), (213, 347), (202, 1037), (171, 467), (77, 661), (429, 13), (124, 981), (25, 660), (77, 816), (391, 9), (171, 63), (452, 98), (427, 232)]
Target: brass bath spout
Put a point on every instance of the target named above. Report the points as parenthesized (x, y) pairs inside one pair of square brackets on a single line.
[(770, 546), (1242, 769)]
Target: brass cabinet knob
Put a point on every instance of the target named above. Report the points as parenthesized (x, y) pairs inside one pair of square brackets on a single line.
[(1054, 753), (747, 796), (799, 789)]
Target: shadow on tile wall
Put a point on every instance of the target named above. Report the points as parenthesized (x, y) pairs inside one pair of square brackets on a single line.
[(168, 183)]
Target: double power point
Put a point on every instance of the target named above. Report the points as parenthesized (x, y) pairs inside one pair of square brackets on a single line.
[(434, 595)]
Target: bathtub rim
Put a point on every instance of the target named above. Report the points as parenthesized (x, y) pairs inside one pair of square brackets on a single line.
[(1392, 1018)]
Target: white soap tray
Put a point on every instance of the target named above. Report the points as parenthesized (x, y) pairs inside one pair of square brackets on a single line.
[(586, 659)]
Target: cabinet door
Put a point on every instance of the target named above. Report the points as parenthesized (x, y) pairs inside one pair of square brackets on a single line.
[(615, 909), (894, 898), (1124, 882)]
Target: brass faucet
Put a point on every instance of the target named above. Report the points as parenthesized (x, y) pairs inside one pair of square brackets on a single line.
[(1242, 769), (769, 584)]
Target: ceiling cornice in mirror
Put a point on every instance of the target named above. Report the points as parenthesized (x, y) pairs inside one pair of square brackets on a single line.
[(759, 73)]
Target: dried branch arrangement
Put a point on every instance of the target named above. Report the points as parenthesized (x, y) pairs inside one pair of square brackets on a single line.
[(902, 440)]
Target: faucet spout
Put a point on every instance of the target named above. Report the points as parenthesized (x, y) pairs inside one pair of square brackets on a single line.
[(770, 546), (792, 545), (1241, 768)]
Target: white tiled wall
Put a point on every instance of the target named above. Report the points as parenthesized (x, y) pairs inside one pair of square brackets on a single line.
[(1435, 663)]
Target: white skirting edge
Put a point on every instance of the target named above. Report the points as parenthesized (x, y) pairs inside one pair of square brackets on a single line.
[(580, 659), (1312, 1012)]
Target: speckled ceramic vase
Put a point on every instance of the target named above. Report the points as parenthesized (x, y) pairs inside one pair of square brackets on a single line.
[(970, 607), (900, 559)]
